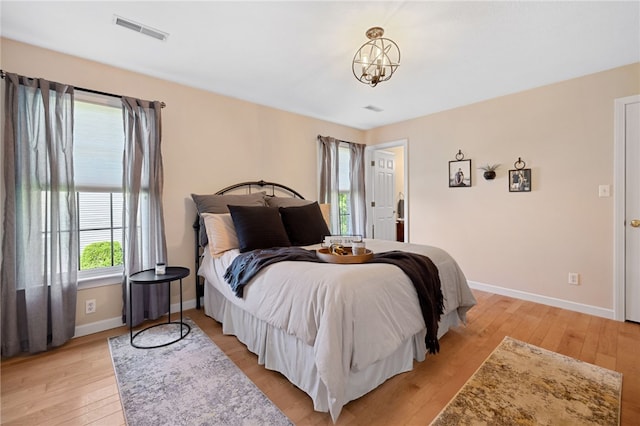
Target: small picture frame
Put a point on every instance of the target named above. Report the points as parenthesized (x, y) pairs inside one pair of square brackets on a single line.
[(460, 174), (520, 180)]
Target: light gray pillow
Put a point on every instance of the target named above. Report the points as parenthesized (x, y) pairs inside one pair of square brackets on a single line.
[(286, 202), (213, 203)]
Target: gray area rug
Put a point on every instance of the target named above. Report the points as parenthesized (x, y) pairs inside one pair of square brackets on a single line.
[(191, 382)]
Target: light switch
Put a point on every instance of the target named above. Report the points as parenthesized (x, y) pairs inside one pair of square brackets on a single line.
[(604, 191)]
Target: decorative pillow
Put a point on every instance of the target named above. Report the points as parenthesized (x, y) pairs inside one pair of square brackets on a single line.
[(258, 227), (286, 202), (213, 203), (220, 233), (305, 225)]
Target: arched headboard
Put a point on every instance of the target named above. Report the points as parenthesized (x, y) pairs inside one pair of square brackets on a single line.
[(276, 188)]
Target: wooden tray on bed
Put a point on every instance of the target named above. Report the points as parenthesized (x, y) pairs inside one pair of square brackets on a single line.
[(326, 255)]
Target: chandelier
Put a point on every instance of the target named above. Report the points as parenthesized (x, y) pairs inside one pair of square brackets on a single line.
[(377, 59)]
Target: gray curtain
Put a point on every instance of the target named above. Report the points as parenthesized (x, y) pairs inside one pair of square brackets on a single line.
[(330, 183), (40, 244), (358, 199), (329, 179), (144, 236)]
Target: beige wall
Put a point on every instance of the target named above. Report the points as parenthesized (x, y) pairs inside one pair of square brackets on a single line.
[(527, 242), (208, 142), (521, 241)]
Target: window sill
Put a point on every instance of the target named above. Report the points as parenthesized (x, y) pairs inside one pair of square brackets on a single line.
[(100, 281)]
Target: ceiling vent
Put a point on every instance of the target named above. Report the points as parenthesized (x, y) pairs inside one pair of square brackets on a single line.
[(373, 108), (140, 28)]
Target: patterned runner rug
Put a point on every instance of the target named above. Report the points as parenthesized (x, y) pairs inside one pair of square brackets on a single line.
[(526, 385), (191, 382)]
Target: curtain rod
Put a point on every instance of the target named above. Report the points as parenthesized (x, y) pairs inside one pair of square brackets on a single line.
[(339, 140), (96, 92)]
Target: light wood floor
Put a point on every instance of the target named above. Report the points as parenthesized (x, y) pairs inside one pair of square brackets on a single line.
[(75, 384)]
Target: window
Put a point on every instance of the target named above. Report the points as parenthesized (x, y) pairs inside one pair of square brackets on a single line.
[(341, 184), (344, 189), (98, 147)]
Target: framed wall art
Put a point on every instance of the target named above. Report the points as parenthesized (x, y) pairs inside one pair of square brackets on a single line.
[(520, 178), (460, 172)]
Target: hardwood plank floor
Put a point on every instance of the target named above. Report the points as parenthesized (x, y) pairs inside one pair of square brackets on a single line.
[(75, 384)]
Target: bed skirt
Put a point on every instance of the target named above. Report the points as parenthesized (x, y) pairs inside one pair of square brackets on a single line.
[(294, 359)]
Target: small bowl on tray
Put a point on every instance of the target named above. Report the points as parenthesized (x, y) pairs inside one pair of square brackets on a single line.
[(348, 257)]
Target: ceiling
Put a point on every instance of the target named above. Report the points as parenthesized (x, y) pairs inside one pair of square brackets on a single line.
[(296, 55)]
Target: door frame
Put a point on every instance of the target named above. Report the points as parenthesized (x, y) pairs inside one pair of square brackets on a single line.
[(619, 196), (404, 143)]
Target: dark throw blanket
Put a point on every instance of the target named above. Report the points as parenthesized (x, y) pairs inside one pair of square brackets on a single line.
[(420, 269), (246, 265)]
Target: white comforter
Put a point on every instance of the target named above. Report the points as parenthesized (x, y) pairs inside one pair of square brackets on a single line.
[(352, 315)]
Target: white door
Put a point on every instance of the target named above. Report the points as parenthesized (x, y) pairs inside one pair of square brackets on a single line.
[(384, 183), (632, 211)]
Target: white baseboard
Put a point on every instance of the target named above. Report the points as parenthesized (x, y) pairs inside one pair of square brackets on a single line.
[(108, 324), (545, 300), (98, 326)]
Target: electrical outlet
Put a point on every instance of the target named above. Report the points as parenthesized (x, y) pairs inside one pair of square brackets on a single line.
[(90, 306), (574, 278), (604, 191)]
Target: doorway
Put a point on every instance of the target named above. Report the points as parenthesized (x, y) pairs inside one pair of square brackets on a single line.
[(627, 209), (387, 191)]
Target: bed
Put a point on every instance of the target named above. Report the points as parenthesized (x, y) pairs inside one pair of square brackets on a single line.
[(336, 331)]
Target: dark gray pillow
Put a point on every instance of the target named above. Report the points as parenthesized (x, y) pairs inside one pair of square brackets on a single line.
[(213, 203), (258, 227), (286, 202), (305, 225)]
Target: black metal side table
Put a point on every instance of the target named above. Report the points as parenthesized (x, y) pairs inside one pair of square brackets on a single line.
[(146, 277)]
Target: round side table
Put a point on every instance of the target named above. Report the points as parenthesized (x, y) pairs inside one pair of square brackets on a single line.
[(147, 277)]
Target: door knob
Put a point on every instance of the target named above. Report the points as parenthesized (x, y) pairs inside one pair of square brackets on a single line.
[(635, 223)]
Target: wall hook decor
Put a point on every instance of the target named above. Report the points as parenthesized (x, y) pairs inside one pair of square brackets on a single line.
[(520, 178), (459, 172)]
